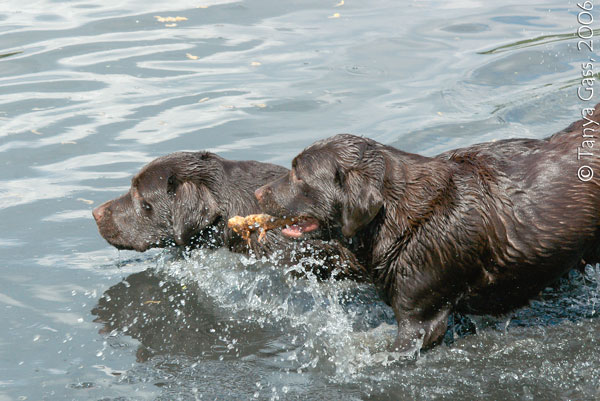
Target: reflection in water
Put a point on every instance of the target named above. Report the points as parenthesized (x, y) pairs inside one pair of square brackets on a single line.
[(209, 305), (168, 318)]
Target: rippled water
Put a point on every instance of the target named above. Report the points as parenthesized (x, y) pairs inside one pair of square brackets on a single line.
[(90, 91)]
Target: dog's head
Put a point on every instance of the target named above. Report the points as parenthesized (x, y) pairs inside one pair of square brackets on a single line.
[(334, 183), (171, 200)]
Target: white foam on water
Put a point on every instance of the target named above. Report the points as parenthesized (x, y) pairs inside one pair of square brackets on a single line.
[(332, 320)]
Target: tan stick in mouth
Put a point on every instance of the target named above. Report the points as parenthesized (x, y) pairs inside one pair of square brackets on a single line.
[(244, 226)]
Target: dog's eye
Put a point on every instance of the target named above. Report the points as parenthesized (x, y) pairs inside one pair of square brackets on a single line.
[(146, 206)]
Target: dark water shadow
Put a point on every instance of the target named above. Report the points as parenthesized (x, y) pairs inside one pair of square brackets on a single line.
[(572, 298), (170, 318)]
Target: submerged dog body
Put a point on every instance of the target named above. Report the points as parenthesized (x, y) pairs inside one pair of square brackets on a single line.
[(186, 198), (480, 229)]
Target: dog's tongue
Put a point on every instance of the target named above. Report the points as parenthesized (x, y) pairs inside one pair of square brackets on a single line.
[(304, 226)]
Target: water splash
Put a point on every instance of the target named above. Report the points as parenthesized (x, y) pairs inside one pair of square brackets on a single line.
[(336, 327)]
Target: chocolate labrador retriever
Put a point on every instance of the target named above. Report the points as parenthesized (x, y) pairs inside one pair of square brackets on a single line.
[(186, 198), (480, 229)]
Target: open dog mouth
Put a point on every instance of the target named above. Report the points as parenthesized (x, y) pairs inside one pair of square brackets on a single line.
[(303, 225), (290, 226)]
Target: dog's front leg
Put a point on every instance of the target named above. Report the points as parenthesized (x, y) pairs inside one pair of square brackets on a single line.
[(417, 332)]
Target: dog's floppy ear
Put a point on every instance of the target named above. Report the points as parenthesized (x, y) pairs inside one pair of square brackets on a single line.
[(359, 211), (362, 185), (194, 207)]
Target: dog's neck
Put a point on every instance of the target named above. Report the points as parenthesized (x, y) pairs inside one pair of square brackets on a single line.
[(415, 189)]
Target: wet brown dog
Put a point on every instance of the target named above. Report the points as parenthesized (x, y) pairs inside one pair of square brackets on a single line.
[(181, 198), (186, 198), (480, 229)]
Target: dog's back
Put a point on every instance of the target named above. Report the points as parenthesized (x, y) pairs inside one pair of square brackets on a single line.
[(540, 204)]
